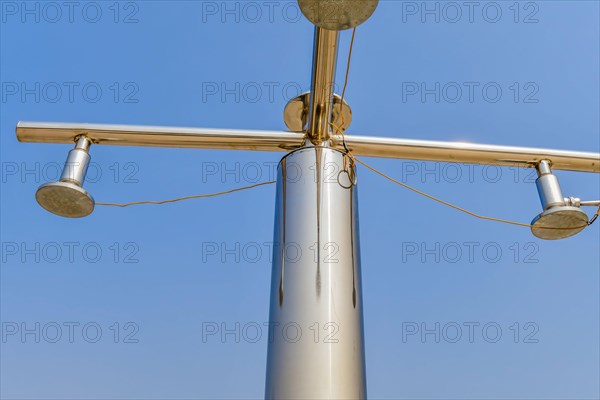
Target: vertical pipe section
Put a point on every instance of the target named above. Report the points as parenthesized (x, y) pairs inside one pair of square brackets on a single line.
[(316, 339), (322, 86), (77, 162), (548, 186)]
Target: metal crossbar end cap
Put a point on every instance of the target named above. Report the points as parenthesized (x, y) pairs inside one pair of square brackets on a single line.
[(565, 222), (65, 199), (338, 15)]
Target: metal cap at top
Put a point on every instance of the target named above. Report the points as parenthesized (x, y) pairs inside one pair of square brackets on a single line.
[(337, 15)]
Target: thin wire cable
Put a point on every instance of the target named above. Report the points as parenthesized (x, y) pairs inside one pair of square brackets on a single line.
[(348, 155), (463, 209), (200, 196), (344, 90), (437, 199)]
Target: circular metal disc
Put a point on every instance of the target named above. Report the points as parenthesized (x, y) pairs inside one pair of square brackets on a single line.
[(571, 219), (296, 113), (65, 199), (337, 15)]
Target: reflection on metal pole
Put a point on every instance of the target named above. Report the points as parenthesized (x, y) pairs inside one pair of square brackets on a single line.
[(323, 82), (316, 344)]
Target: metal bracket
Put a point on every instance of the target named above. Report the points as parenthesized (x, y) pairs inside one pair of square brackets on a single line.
[(296, 113)]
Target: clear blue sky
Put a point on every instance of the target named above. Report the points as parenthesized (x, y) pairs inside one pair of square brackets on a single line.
[(161, 63)]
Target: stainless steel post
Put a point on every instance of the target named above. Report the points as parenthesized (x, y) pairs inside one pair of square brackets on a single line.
[(316, 346), (323, 83)]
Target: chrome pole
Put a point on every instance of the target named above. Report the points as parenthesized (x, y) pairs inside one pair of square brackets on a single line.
[(316, 345), (323, 83)]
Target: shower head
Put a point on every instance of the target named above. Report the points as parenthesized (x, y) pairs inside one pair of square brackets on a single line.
[(559, 222), (67, 197), (562, 216)]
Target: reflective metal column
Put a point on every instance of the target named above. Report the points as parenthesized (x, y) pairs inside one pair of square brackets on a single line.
[(323, 84), (316, 346)]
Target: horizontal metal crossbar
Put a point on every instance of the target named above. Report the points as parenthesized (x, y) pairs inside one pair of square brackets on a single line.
[(228, 139)]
